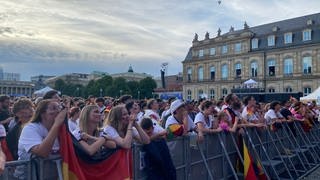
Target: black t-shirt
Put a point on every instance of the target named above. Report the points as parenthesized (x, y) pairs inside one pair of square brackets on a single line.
[(285, 113)]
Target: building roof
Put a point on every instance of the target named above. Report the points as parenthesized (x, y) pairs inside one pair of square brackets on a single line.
[(287, 25), (294, 25)]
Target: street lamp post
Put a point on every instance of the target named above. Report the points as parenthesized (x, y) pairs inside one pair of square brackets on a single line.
[(120, 92), (100, 92), (139, 95)]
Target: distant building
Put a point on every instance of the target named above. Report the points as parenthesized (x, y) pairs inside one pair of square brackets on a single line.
[(174, 87), (17, 88), (131, 75), (39, 81), (8, 76), (280, 56), (72, 78)]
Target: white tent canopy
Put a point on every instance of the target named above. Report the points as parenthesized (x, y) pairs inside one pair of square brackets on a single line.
[(314, 96), (42, 92), (250, 81)]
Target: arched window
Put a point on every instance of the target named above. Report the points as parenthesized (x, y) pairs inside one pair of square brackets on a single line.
[(288, 66), (224, 71), (200, 93), (211, 93), (212, 72), (288, 89), (307, 65), (306, 91), (200, 73), (272, 90), (272, 67), (238, 70), (189, 73), (189, 94), (224, 92), (254, 69)]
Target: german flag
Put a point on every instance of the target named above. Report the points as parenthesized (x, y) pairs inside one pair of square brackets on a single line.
[(249, 173), (114, 165)]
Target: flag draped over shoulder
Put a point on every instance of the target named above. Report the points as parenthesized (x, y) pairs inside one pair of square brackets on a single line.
[(249, 172), (118, 165)]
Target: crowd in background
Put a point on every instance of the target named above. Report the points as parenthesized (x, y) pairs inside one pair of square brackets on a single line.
[(31, 126)]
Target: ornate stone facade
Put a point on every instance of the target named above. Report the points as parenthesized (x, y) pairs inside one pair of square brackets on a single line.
[(282, 56)]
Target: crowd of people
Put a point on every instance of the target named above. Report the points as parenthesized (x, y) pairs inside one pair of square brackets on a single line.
[(31, 126)]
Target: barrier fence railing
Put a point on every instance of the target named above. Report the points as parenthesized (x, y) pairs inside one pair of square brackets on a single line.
[(288, 152)]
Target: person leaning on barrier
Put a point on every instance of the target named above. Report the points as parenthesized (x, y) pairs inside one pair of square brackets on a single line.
[(122, 127), (88, 133), (158, 160), (273, 116), (39, 137), (224, 124), (204, 120), (178, 123), (23, 112)]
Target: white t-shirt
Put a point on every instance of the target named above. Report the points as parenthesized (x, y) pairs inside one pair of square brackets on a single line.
[(201, 119), (77, 133), (248, 116), (31, 135), (152, 114), (172, 120), (271, 114), (72, 125), (2, 131), (113, 134)]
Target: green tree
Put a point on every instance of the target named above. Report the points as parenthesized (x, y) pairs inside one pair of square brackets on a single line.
[(133, 88), (60, 85), (146, 86)]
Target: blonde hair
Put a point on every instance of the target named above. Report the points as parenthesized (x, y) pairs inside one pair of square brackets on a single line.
[(114, 119), (41, 108), (84, 118)]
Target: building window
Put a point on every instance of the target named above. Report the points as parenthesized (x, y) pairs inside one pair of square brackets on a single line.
[(224, 71), (288, 38), (306, 91), (271, 90), (288, 89), (224, 92), (211, 93), (307, 65), (271, 40), (212, 72), (272, 67), (224, 49), (189, 73), (288, 66), (306, 35), (238, 70), (200, 73), (201, 51), (254, 69), (200, 94), (212, 51), (189, 95), (237, 47), (254, 43)]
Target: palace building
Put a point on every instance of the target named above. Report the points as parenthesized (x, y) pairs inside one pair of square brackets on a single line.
[(282, 56)]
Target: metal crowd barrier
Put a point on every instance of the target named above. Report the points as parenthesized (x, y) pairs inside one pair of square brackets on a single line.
[(287, 153)]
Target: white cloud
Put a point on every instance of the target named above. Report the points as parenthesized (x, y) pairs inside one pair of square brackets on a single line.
[(109, 35)]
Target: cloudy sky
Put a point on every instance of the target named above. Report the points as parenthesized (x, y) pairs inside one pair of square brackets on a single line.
[(53, 37)]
